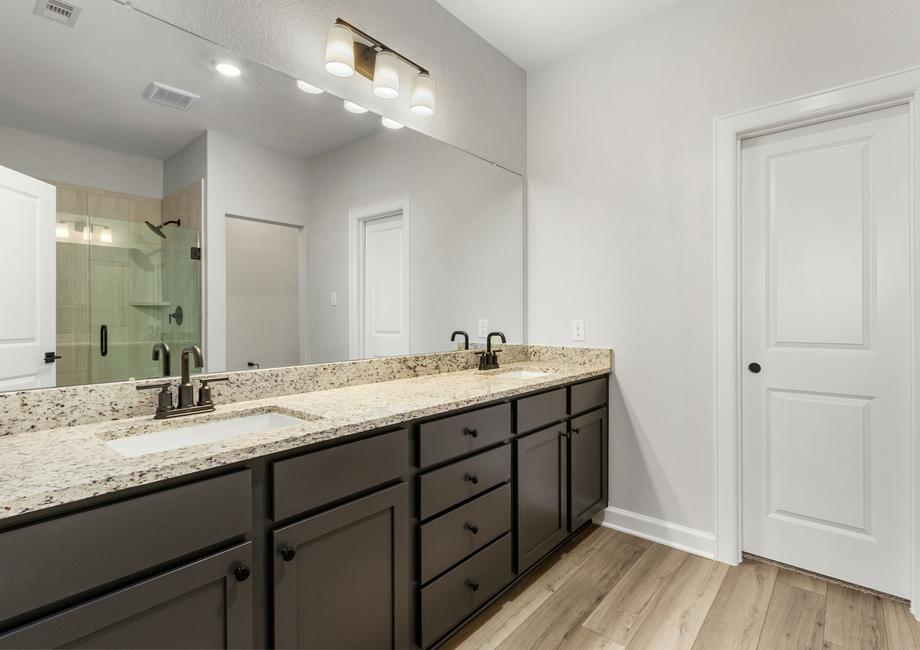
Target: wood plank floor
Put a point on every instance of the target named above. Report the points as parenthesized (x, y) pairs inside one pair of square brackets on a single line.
[(612, 591)]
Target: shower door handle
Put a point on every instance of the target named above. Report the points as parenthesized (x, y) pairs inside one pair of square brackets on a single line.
[(104, 340)]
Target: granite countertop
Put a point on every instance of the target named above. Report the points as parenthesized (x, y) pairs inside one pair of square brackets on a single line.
[(42, 469)]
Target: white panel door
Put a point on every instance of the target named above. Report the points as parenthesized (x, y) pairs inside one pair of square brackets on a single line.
[(826, 314), (386, 288), (27, 269)]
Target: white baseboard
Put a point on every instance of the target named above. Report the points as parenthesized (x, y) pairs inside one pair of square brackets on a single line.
[(676, 536)]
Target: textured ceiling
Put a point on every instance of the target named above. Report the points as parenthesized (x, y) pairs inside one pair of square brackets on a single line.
[(536, 32), (86, 84)]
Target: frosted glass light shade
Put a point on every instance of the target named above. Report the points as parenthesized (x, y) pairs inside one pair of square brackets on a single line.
[(351, 107), (106, 235), (340, 51), (62, 230), (390, 124), (423, 95), (228, 69), (386, 75), (310, 89)]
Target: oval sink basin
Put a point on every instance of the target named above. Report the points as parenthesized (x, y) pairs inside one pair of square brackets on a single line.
[(199, 434)]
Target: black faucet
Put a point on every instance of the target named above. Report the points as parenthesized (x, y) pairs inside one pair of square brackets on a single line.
[(159, 348), (466, 338), (489, 359), (186, 390)]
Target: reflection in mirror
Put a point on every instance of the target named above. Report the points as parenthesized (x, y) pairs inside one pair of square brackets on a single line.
[(148, 200)]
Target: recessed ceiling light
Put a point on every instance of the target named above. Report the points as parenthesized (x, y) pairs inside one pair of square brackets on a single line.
[(390, 124), (228, 69), (351, 107), (310, 89)]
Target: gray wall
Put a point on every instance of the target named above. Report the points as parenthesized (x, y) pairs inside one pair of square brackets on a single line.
[(466, 232), (621, 217), (481, 93)]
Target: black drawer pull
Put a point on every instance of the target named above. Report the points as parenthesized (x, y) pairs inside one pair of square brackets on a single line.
[(472, 433), (242, 572), (473, 528), (103, 340), (288, 553), (472, 584), (472, 478)]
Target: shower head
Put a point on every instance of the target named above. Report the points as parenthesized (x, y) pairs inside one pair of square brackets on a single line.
[(159, 229), (156, 229)]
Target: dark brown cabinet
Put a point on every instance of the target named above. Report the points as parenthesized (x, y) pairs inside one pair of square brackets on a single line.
[(541, 486), (587, 467), (204, 604), (341, 578)]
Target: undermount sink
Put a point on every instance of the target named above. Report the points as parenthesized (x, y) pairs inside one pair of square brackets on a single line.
[(199, 434), (524, 374)]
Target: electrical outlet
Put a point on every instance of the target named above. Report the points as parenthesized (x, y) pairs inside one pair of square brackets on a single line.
[(333, 298), (483, 327), (578, 330)]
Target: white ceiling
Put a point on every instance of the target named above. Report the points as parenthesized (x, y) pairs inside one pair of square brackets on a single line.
[(533, 33), (86, 84)]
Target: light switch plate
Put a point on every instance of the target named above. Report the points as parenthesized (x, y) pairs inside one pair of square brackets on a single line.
[(333, 298), (483, 327), (578, 330)]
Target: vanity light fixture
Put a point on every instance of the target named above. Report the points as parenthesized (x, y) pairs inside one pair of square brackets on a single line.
[(349, 50), (310, 89), (386, 75), (422, 95), (62, 230), (106, 235), (390, 124), (340, 51), (351, 107), (228, 69)]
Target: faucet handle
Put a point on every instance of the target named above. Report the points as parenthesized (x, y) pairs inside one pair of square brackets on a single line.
[(164, 397), (204, 393)]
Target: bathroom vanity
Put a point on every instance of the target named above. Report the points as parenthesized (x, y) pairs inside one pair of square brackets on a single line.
[(390, 536)]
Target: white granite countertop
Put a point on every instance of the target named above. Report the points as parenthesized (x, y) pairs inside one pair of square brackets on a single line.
[(42, 469)]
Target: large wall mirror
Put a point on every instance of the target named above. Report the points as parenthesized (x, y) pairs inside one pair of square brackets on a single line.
[(267, 225)]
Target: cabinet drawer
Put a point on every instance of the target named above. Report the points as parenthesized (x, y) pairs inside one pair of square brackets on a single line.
[(443, 439), (307, 482), (198, 605), (589, 395), (540, 410), (457, 593), (464, 479), (451, 537), (52, 560)]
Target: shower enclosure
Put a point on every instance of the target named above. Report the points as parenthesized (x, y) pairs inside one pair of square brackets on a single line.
[(123, 284)]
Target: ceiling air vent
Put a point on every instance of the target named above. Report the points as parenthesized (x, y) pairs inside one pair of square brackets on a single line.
[(63, 13), (169, 96)]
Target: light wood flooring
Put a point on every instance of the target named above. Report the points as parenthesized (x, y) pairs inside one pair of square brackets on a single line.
[(607, 590)]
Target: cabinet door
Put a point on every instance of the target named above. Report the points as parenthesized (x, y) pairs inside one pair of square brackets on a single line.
[(542, 493), (587, 467), (342, 576), (205, 604)]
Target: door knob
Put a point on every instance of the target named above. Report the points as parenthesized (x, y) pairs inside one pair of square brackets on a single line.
[(288, 553), (754, 367)]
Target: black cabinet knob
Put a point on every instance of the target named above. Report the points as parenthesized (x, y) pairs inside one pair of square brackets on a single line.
[(473, 528), (576, 431), (242, 572), (754, 367), (472, 584), (288, 553), (472, 478), (472, 433)]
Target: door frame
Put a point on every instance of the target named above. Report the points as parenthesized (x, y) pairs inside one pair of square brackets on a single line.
[(901, 88), (357, 217)]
